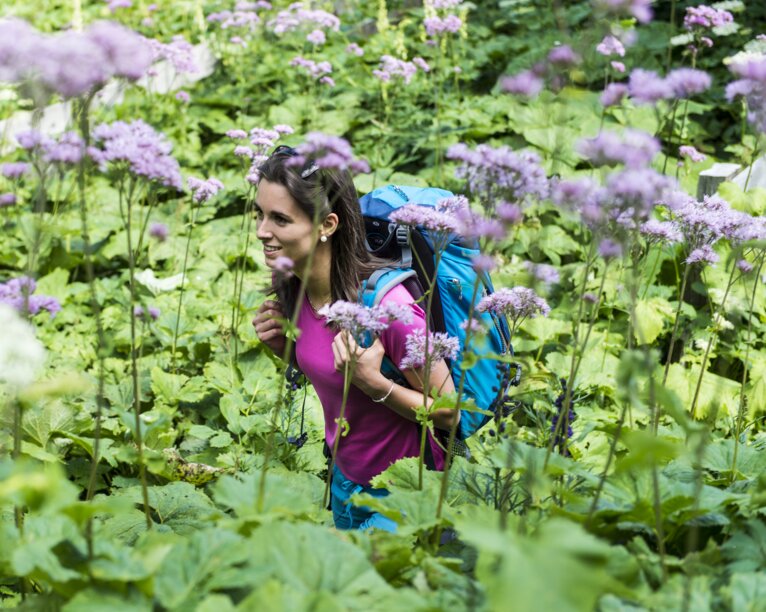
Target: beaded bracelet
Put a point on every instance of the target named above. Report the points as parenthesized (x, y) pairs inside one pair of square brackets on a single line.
[(385, 397)]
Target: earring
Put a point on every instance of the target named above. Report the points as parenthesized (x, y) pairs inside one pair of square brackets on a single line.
[(323, 238)]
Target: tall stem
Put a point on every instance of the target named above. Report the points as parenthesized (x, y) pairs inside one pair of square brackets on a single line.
[(675, 323), (192, 219), (347, 369), (134, 358)]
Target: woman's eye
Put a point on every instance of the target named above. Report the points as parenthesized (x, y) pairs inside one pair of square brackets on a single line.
[(280, 220)]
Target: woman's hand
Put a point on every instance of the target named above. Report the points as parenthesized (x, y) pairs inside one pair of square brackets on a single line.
[(367, 361), (268, 326)]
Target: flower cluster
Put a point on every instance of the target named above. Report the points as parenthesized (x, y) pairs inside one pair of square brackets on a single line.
[(136, 144), (152, 312), (689, 152), (179, 53), (440, 346), (611, 45), (297, 16), (317, 70), (436, 26), (706, 17), (500, 172), (527, 84), (517, 304), (633, 148), (262, 141), (543, 273), (14, 170), (159, 231), (327, 152), (203, 190), (18, 293), (391, 67), (640, 9), (752, 85), (68, 149), (243, 17), (647, 87), (361, 320), (71, 63)]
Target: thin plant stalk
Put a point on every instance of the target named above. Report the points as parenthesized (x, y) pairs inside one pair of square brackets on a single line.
[(348, 368), (192, 220), (676, 321), (745, 369), (134, 354)]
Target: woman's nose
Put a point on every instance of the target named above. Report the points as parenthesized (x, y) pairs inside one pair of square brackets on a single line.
[(261, 230)]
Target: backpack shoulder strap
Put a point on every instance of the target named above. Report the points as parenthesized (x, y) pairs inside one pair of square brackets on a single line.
[(381, 282)]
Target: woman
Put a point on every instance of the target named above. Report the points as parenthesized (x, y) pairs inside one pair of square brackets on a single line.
[(312, 217)]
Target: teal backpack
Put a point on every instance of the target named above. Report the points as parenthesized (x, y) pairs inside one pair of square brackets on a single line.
[(488, 380)]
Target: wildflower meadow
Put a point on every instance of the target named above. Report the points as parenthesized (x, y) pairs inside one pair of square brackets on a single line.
[(606, 157)]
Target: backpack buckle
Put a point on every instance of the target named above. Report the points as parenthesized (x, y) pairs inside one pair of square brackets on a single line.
[(402, 234)]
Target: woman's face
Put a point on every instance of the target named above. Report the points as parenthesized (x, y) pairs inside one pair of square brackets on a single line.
[(283, 228)]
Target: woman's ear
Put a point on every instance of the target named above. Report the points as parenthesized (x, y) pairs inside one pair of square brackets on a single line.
[(330, 224)]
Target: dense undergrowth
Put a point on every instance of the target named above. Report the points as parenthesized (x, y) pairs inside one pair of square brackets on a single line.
[(627, 472)]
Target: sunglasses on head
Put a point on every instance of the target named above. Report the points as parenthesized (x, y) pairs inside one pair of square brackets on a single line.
[(287, 151)]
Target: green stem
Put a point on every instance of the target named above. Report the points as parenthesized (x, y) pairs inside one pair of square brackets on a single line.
[(673, 334), (192, 219), (347, 369)]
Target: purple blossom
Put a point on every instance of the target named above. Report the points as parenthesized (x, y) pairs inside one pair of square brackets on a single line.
[(543, 273), (69, 149), (751, 85), (640, 9), (563, 56), (686, 82), (744, 266), (589, 297), (633, 192), (314, 69), (159, 231), (284, 265), (706, 17), (434, 220), (421, 63), (137, 145), (704, 255), (236, 134), (647, 87), (7, 200), (327, 80), (517, 304), (179, 52), (611, 45), (138, 311), (154, 312), (361, 320), (526, 84), (492, 172), (30, 139), (316, 37), (435, 26), (618, 66), (584, 196), (355, 49), (244, 151), (18, 293), (128, 54), (689, 152), (633, 148), (661, 231), (608, 249), (118, 4), (474, 325), (483, 263), (508, 213), (202, 189), (282, 128), (392, 67), (473, 226), (183, 96), (14, 170), (327, 152), (441, 346), (613, 94), (297, 16)]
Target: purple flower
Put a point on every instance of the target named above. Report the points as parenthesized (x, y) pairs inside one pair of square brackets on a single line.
[(744, 266), (316, 37), (689, 152), (526, 84), (611, 45), (127, 53), (634, 191), (473, 226), (69, 149), (327, 80), (297, 16), (202, 189), (327, 152), (18, 293), (355, 49), (118, 4), (244, 151), (647, 87), (685, 82), (608, 249), (483, 263), (421, 63), (543, 273), (589, 297), (392, 67), (14, 170), (661, 231), (140, 147), (237, 134), (563, 56), (640, 9), (752, 85), (633, 148), (436, 26), (179, 53), (154, 312), (281, 128), (618, 66), (7, 200), (500, 172), (517, 304), (508, 213), (440, 347), (613, 94), (183, 96), (360, 320), (704, 255), (584, 196), (30, 139), (316, 70), (159, 231), (138, 311), (706, 17), (284, 265), (474, 325)]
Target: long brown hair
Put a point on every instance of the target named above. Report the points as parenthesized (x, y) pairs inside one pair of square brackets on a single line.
[(318, 193)]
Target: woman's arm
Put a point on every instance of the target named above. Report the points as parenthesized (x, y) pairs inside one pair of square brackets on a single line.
[(402, 400), (268, 326)]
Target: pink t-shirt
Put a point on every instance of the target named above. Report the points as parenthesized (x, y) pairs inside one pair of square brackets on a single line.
[(377, 435)]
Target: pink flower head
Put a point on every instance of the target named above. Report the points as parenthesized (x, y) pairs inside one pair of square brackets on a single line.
[(517, 303), (633, 148), (326, 152), (203, 190), (613, 94), (355, 49), (284, 265), (685, 82), (14, 170), (362, 320), (441, 346), (647, 87), (563, 56), (526, 84), (706, 17), (317, 37), (689, 152), (611, 45), (159, 231)]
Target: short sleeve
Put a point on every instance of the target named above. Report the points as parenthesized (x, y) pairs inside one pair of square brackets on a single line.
[(395, 336)]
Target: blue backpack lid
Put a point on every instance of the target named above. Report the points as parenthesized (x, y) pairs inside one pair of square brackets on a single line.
[(381, 202)]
